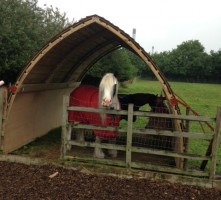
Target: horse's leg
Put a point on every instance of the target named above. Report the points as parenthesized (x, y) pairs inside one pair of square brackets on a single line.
[(112, 152), (69, 137), (98, 153), (80, 135)]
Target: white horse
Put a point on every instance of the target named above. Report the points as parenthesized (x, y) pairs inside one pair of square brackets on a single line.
[(106, 97)]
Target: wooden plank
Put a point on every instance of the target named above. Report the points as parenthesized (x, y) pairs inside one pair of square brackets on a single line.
[(138, 150), (102, 161), (172, 116), (1, 117), (193, 135), (142, 131), (129, 135), (215, 144), (96, 127), (168, 169), (142, 114), (137, 165), (46, 86), (208, 152), (64, 127), (97, 110), (168, 153), (101, 145), (186, 139)]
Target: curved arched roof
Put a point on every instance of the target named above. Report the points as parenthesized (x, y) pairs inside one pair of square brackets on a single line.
[(71, 53)]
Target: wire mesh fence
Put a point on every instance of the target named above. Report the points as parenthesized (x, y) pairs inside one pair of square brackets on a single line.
[(151, 142)]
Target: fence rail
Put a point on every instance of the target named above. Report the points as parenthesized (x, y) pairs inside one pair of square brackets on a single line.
[(129, 133)]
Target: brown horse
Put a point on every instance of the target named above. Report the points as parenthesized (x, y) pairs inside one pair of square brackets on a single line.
[(160, 123)]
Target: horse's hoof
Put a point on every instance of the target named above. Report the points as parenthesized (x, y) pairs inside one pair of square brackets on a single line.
[(113, 153), (68, 147), (98, 153)]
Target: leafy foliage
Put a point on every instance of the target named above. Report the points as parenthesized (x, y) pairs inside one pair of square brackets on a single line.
[(25, 28), (190, 62), (117, 62)]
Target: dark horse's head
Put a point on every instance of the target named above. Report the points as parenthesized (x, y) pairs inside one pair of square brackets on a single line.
[(138, 99)]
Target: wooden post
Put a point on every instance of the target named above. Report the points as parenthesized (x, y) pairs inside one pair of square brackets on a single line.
[(1, 116), (129, 135), (3, 107), (179, 144), (186, 140), (64, 126), (215, 144)]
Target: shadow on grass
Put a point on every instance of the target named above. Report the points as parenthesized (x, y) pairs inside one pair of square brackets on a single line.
[(51, 140)]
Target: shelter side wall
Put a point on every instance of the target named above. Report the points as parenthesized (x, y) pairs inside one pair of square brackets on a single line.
[(33, 115)]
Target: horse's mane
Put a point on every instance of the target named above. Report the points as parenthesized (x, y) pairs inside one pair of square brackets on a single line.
[(109, 81)]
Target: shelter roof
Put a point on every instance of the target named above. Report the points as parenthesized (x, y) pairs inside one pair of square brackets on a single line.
[(71, 53)]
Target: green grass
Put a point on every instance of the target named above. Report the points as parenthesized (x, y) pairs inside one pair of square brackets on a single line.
[(53, 137)]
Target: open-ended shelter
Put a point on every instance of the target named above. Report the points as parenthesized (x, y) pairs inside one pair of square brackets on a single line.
[(33, 105)]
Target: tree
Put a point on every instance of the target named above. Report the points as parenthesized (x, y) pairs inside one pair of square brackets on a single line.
[(117, 62), (163, 60), (214, 66), (25, 28), (189, 59), (138, 63)]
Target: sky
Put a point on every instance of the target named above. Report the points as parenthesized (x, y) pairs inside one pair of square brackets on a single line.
[(162, 24)]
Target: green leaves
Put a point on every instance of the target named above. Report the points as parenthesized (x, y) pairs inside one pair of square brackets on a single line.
[(118, 62), (189, 62), (25, 28)]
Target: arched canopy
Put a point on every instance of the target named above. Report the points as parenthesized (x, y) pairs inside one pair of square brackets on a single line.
[(70, 54), (55, 70)]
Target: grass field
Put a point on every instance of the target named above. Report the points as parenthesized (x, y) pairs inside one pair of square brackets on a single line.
[(204, 98)]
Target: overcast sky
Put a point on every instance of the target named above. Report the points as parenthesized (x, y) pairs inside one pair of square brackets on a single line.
[(163, 24)]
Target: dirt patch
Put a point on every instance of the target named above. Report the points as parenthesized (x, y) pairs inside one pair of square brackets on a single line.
[(20, 181)]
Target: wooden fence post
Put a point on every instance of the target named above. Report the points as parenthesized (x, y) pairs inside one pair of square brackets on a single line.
[(215, 144), (129, 135), (1, 116), (186, 140), (64, 126)]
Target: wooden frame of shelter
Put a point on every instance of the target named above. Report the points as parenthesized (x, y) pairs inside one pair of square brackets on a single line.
[(33, 106)]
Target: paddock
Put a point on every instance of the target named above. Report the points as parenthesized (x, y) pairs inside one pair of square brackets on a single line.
[(33, 105)]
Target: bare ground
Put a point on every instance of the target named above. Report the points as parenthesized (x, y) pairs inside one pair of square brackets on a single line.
[(20, 181)]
